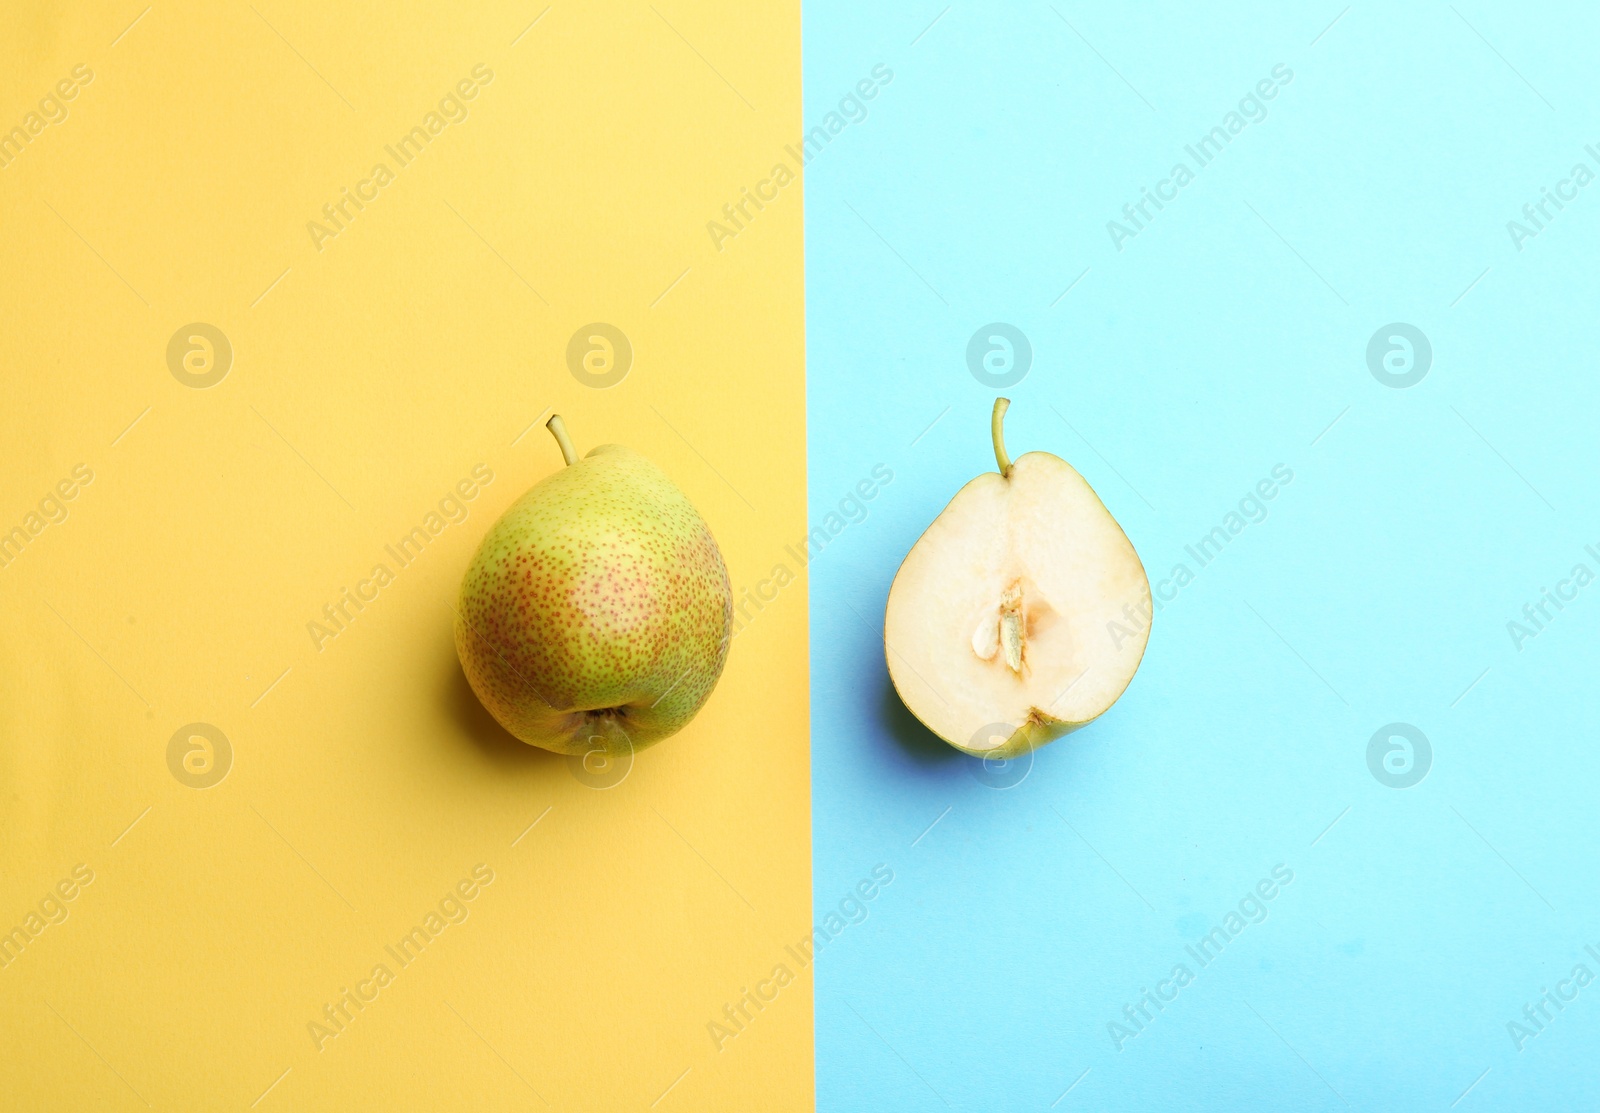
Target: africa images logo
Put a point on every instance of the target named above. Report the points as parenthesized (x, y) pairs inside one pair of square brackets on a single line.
[(452, 509), (852, 110), (450, 910), (52, 110), (852, 908), (351, 202), (1252, 908), (52, 510), (1252, 109)]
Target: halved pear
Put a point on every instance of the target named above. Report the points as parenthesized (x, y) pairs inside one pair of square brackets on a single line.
[(1021, 614)]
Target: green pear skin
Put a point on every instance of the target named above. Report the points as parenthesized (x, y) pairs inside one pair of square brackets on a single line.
[(597, 613)]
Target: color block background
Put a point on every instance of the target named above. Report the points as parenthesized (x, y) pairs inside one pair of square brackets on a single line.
[(369, 377), (1028, 907), (1031, 905)]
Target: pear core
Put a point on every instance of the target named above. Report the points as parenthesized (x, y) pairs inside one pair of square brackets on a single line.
[(596, 614), (1021, 614)]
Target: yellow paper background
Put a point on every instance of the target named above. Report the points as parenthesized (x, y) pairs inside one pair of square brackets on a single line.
[(366, 381)]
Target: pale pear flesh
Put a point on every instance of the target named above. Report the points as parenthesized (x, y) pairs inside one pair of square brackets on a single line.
[(1021, 613)]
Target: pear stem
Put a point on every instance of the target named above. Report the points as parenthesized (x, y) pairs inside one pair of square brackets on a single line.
[(559, 428), (996, 430)]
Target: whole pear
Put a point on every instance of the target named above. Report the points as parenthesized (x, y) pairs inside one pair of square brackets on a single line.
[(596, 613)]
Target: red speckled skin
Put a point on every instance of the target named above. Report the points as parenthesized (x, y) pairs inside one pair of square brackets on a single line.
[(597, 611)]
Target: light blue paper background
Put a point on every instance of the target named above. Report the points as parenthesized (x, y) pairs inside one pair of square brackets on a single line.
[(1228, 336)]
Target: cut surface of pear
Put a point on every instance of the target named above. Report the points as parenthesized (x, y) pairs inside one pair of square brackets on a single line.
[(1021, 614)]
